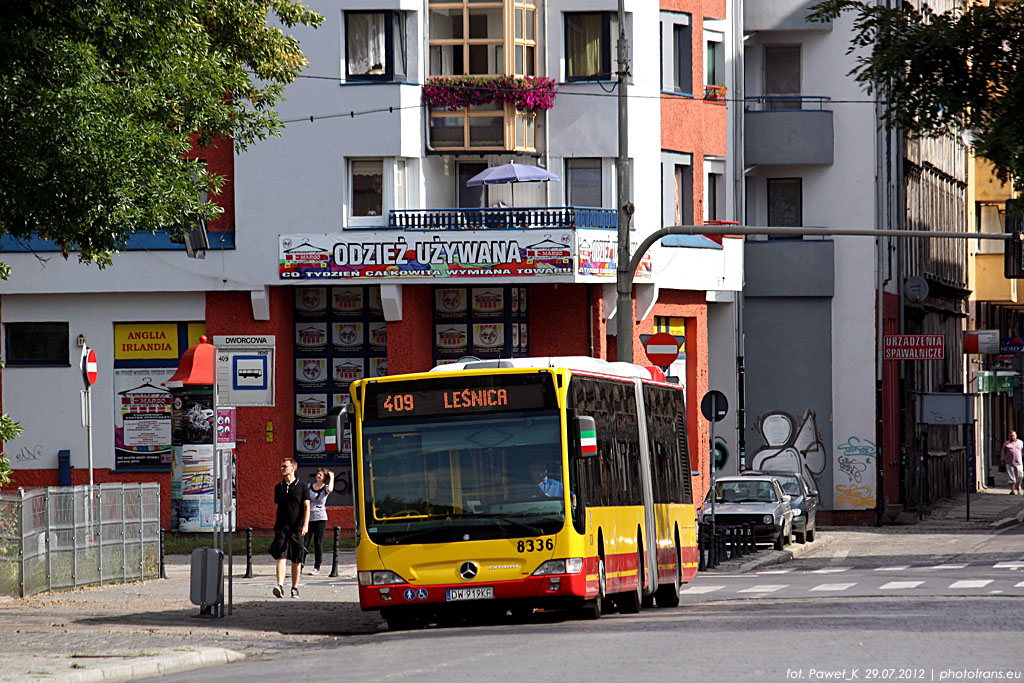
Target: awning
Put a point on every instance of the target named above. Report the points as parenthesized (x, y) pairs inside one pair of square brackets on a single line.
[(197, 367)]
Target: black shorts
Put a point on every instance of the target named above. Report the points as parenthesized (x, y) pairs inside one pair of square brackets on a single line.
[(288, 545)]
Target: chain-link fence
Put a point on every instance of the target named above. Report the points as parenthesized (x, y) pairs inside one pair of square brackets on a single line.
[(56, 538)]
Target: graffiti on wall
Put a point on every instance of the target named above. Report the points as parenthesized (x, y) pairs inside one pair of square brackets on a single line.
[(854, 474), (789, 447)]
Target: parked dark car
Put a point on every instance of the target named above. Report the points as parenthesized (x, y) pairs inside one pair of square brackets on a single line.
[(757, 500), (803, 498)]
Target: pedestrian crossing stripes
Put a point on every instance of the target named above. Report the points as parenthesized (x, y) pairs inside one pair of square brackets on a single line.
[(901, 585), (833, 587), (971, 583)]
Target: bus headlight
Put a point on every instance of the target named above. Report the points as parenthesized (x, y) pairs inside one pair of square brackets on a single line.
[(573, 565), (379, 578)]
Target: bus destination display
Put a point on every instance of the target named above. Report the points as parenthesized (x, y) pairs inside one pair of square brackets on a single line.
[(461, 395)]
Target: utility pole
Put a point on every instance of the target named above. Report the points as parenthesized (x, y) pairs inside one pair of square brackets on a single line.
[(623, 276)]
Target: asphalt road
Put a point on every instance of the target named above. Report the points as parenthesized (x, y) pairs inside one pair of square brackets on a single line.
[(878, 606)]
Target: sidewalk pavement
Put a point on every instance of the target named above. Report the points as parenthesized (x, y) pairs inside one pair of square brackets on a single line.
[(138, 630)]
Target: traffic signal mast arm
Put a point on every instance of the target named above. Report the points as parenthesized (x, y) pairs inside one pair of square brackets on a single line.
[(634, 261)]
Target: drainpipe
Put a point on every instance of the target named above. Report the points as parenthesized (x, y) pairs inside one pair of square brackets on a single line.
[(739, 211)]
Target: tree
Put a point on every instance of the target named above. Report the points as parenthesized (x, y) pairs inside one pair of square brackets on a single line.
[(961, 70), (101, 100)]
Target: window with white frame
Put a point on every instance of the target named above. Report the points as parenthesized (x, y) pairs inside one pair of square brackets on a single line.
[(676, 188), (714, 59), (677, 52), (377, 186), (714, 189), (583, 182), (375, 46)]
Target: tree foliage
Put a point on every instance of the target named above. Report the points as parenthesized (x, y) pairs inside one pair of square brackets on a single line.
[(101, 101), (8, 430), (961, 70)]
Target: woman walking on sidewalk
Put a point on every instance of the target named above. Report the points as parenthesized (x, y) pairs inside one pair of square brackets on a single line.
[(1011, 456), (319, 490)]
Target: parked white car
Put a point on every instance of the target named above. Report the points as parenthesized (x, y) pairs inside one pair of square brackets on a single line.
[(758, 500)]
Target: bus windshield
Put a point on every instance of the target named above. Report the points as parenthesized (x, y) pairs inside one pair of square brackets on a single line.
[(473, 477)]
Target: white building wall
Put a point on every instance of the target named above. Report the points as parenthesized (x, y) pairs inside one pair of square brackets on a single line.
[(47, 400), (840, 195)]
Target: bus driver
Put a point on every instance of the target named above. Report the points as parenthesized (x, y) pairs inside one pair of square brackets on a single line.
[(552, 488)]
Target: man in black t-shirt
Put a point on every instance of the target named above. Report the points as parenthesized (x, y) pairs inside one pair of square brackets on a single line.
[(290, 526)]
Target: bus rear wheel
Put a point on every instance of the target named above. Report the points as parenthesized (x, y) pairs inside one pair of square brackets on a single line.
[(631, 602), (668, 595)]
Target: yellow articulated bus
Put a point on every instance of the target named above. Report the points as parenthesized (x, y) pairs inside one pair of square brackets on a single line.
[(511, 485)]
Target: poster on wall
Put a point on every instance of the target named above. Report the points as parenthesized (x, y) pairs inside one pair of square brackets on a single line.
[(194, 482), (192, 418), (142, 417)]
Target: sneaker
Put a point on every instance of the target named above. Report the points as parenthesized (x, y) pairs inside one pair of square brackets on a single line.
[(278, 591), (295, 592), (316, 570)]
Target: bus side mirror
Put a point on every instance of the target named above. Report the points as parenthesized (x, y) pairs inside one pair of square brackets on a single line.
[(586, 427)]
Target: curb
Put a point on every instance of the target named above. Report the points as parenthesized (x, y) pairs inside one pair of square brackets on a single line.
[(160, 665), (767, 558), (1007, 521)]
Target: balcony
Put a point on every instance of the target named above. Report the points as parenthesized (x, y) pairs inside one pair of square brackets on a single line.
[(788, 129), (780, 15), (518, 218)]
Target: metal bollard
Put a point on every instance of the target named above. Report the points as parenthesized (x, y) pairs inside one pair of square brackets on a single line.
[(721, 546), (337, 541), (751, 545), (163, 571), (248, 552), (701, 548)]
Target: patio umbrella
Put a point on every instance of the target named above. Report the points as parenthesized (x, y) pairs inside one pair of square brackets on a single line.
[(511, 173)]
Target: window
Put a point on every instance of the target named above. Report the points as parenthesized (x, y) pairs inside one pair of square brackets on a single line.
[(525, 38), (785, 202), (588, 41), (583, 185), (613, 477), (782, 76), (37, 344), (368, 188), (714, 189), (714, 59), (375, 46), (467, 37), (682, 62)]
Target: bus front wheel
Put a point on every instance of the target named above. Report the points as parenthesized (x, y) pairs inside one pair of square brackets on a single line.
[(400, 619), (592, 608)]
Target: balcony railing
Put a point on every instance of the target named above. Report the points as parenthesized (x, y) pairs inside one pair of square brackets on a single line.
[(786, 102), (504, 218)]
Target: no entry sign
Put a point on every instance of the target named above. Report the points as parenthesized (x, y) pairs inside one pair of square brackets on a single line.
[(662, 349), (89, 367)]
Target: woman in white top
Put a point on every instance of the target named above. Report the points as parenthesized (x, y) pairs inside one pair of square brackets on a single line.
[(319, 490)]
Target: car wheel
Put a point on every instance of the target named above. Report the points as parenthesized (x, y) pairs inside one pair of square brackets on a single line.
[(810, 535), (779, 544)]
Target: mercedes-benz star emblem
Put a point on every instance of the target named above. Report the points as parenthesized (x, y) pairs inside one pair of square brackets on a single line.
[(468, 570)]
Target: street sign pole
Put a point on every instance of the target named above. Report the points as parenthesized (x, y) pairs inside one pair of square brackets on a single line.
[(711, 460)]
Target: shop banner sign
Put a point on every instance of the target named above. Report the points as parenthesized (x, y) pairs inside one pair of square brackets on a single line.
[(913, 347), (597, 251), (434, 254)]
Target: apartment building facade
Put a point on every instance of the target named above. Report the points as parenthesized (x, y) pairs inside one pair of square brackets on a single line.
[(819, 395)]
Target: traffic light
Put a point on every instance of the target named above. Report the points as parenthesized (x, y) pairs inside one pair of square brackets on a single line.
[(1013, 253)]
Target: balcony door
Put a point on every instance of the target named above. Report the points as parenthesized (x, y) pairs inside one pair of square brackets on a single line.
[(782, 76), (471, 197)]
